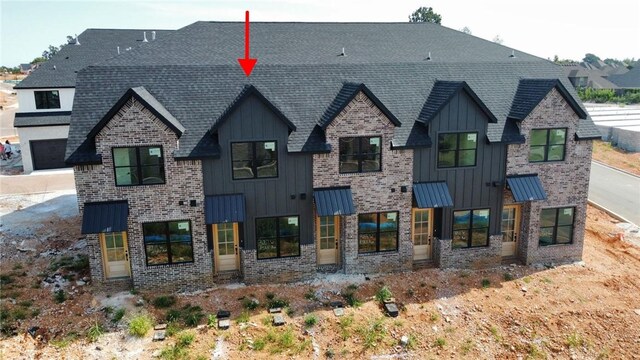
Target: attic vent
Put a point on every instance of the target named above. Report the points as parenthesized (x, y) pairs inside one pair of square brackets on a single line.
[(118, 48), (513, 54), (54, 67), (343, 53), (153, 35), (77, 40), (428, 56), (144, 36)]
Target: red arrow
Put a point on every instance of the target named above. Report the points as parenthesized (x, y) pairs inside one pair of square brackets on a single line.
[(247, 63)]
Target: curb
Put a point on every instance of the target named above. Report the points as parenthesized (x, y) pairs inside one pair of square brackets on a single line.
[(615, 168), (609, 212)]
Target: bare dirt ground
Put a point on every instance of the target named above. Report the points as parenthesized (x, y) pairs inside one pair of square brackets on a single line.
[(588, 310), (618, 158)]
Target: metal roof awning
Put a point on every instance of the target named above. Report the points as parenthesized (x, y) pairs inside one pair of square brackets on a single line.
[(105, 217), (526, 188), (432, 195), (333, 201), (220, 209)]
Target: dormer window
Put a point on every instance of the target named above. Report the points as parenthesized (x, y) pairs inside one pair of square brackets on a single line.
[(49, 99), (360, 154)]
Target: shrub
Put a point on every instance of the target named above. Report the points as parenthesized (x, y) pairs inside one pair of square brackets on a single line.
[(173, 328), (5, 279), (118, 315), (250, 303), (174, 352), (486, 283), (243, 317), (350, 297), (383, 294), (60, 296), (19, 314), (140, 325), (94, 332), (163, 302), (173, 315), (276, 302), (81, 263), (508, 277), (192, 315), (212, 320), (440, 342), (185, 339), (310, 320), (310, 295), (258, 344)]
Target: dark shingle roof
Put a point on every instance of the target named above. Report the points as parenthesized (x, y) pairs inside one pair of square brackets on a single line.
[(440, 96), (96, 45), (628, 80), (42, 119), (531, 91), (195, 75)]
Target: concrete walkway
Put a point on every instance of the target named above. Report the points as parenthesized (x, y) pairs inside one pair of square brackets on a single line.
[(615, 190), (37, 182)]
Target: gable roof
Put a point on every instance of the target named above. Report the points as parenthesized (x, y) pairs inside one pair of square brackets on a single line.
[(440, 95), (149, 102), (195, 75), (96, 45), (531, 91), (347, 93), (247, 91), (628, 80)]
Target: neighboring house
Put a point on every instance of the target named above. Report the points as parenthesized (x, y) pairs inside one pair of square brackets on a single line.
[(45, 97), (26, 68), (629, 80), (587, 76), (352, 148)]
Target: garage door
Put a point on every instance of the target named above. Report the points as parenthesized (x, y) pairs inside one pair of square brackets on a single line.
[(48, 154)]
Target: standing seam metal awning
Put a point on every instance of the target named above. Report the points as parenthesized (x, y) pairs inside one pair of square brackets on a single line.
[(333, 201), (432, 195), (220, 209), (105, 217), (526, 188)]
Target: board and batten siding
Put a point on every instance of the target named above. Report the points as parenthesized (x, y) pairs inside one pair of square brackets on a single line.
[(254, 121), (470, 187)]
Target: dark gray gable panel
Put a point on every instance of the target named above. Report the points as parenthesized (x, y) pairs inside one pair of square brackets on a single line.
[(432, 195), (526, 188), (442, 93), (105, 217), (224, 209), (346, 94), (142, 95), (333, 201), (246, 92)]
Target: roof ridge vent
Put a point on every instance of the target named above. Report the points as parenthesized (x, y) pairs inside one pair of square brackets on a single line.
[(153, 35), (513, 54), (144, 36), (428, 56), (77, 40)]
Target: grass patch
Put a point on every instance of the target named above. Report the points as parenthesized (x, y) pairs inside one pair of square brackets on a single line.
[(65, 341), (174, 352), (19, 314), (434, 317), (574, 340), (243, 317), (173, 315), (373, 333), (192, 315), (526, 279), (496, 334), (163, 302), (250, 303), (212, 320), (259, 344), (440, 342), (140, 325), (383, 294), (275, 302), (345, 323), (310, 320), (467, 346), (59, 296), (535, 352), (5, 279), (508, 277), (185, 338), (173, 328), (350, 297), (95, 331), (26, 303), (486, 283)]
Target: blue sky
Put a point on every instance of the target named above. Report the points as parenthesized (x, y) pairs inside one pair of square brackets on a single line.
[(568, 28)]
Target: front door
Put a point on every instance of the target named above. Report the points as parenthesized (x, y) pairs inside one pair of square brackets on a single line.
[(422, 220), (226, 246), (510, 229), (328, 239), (115, 254)]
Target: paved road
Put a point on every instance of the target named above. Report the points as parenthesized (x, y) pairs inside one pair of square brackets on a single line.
[(615, 190)]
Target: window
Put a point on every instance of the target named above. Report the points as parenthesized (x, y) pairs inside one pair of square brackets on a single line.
[(251, 160), (378, 232), (360, 154), (168, 242), (556, 226), (457, 149), (547, 145), (47, 99), (278, 237), (470, 228), (138, 165)]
